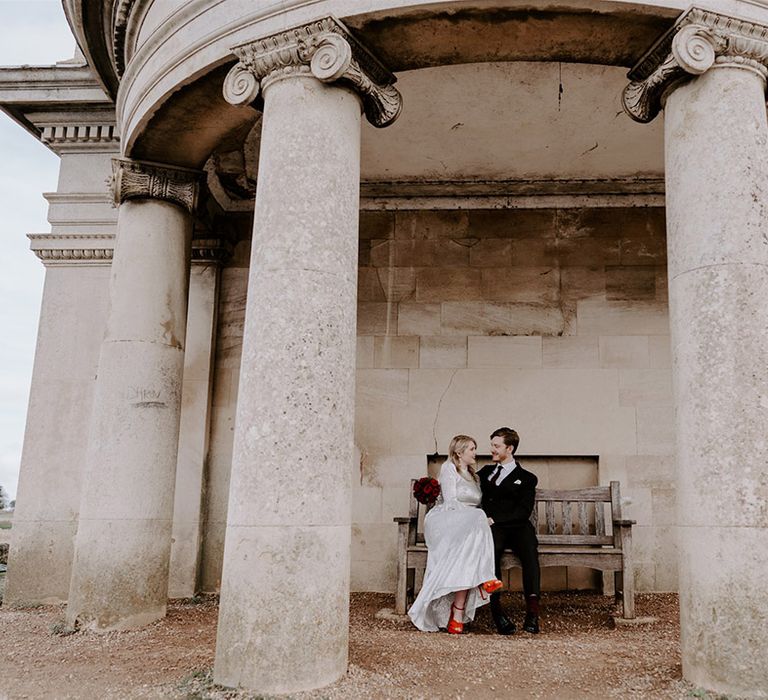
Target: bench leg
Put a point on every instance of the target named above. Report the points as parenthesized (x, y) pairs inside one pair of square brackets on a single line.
[(410, 587), (609, 583), (628, 589), (401, 588), (628, 595)]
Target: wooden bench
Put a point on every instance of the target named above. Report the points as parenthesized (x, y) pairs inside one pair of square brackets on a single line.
[(575, 531)]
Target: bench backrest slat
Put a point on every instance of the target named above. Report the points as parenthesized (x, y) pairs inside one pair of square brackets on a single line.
[(599, 519), (615, 500), (583, 524), (549, 507), (567, 519)]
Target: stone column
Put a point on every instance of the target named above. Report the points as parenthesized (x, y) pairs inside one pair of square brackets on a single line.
[(120, 569), (77, 254), (72, 320), (207, 256), (283, 624), (716, 136)]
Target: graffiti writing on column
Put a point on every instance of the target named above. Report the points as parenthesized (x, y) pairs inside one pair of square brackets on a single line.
[(144, 398)]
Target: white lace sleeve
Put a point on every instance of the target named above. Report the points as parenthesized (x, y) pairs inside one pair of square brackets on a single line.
[(448, 481)]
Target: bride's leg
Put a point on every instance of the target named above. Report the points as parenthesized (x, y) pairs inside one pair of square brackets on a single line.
[(459, 603)]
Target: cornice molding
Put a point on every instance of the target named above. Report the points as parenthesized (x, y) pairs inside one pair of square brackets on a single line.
[(699, 40), (479, 194), (133, 179), (58, 95), (324, 49), (72, 248), (97, 249), (80, 137), (121, 16)]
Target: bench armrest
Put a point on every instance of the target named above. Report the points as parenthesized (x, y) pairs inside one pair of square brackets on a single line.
[(624, 522), (401, 520)]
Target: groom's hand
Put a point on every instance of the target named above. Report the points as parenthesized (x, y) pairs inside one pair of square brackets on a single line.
[(490, 521)]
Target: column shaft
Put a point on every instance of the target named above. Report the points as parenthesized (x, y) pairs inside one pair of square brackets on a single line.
[(283, 623), (120, 570), (194, 429), (72, 321), (716, 137)]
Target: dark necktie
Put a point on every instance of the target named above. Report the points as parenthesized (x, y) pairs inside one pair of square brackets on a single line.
[(495, 477)]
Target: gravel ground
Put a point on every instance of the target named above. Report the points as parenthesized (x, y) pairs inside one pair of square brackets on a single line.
[(578, 655)]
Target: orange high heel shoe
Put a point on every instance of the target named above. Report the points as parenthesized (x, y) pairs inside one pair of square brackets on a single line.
[(454, 626), (491, 586)]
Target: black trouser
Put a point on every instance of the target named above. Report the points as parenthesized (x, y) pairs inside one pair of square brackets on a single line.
[(521, 539)]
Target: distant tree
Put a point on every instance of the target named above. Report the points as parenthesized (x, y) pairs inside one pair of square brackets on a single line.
[(3, 498)]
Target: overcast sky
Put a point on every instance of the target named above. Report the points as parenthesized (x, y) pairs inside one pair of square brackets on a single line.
[(32, 32)]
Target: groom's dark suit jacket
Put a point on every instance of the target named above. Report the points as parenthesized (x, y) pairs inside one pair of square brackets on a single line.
[(511, 502)]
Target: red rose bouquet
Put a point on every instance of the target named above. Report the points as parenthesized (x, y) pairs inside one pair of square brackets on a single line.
[(426, 490)]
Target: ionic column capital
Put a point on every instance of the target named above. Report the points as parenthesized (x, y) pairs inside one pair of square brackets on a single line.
[(699, 40), (132, 179), (324, 49)]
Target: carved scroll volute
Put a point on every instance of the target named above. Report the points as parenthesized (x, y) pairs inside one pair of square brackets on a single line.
[(241, 86), (642, 99), (332, 61), (382, 105), (694, 49), (699, 40), (323, 49), (331, 57), (692, 52)]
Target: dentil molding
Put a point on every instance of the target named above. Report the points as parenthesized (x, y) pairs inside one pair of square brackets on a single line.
[(211, 251), (133, 179), (72, 248), (699, 40), (62, 138), (324, 49)]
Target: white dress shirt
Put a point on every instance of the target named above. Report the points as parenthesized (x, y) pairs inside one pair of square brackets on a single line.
[(506, 470)]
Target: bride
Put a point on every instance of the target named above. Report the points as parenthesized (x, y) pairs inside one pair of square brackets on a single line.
[(460, 568)]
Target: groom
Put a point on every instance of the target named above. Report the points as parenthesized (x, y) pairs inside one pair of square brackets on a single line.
[(509, 493)]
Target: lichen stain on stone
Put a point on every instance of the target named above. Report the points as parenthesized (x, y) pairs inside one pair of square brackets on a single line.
[(151, 404), (369, 476), (169, 336)]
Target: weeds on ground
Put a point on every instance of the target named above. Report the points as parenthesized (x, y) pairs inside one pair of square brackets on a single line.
[(197, 599), (26, 607), (199, 685), (60, 629), (702, 694)]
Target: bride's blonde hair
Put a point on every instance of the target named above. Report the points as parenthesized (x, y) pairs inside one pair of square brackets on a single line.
[(457, 446)]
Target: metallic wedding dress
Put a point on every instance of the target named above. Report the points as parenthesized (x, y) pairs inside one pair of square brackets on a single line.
[(460, 552)]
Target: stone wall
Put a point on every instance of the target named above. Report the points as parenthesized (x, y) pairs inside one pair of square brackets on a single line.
[(553, 321)]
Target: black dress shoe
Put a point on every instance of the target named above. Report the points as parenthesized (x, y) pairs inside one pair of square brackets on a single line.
[(531, 623), (503, 624)]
